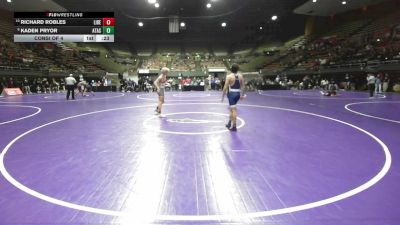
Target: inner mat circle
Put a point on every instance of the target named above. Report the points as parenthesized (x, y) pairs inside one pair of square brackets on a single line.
[(377, 110), (190, 123)]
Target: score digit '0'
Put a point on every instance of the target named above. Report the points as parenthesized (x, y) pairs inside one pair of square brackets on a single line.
[(108, 21)]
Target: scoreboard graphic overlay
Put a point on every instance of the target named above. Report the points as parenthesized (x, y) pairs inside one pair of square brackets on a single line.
[(64, 26)]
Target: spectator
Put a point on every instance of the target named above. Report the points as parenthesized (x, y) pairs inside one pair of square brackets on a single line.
[(386, 81), (378, 84), (27, 87)]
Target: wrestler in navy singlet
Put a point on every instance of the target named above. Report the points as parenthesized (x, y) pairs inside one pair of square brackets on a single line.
[(234, 92)]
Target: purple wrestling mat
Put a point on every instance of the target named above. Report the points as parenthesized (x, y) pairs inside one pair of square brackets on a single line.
[(298, 158)]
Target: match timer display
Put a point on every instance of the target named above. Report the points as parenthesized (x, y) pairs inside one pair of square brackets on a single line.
[(64, 27)]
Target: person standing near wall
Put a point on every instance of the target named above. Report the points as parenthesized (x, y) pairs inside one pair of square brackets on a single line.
[(378, 84)]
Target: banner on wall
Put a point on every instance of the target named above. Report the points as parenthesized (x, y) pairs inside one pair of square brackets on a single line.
[(11, 92)]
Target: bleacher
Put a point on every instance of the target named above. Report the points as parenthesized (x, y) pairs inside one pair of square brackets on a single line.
[(346, 29), (378, 26), (155, 62), (6, 23), (283, 59), (355, 42), (193, 50), (121, 50)]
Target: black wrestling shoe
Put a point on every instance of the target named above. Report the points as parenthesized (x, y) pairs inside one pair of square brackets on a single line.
[(232, 128), (157, 112), (228, 125)]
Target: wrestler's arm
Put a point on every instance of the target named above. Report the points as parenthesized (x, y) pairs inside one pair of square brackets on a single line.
[(242, 86), (157, 83)]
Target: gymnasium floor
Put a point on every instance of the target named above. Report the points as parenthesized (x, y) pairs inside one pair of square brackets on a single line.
[(297, 159)]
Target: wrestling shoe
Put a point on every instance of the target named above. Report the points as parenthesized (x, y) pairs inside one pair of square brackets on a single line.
[(232, 128)]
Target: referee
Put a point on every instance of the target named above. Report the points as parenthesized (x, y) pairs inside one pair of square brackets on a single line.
[(70, 85), (371, 84)]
